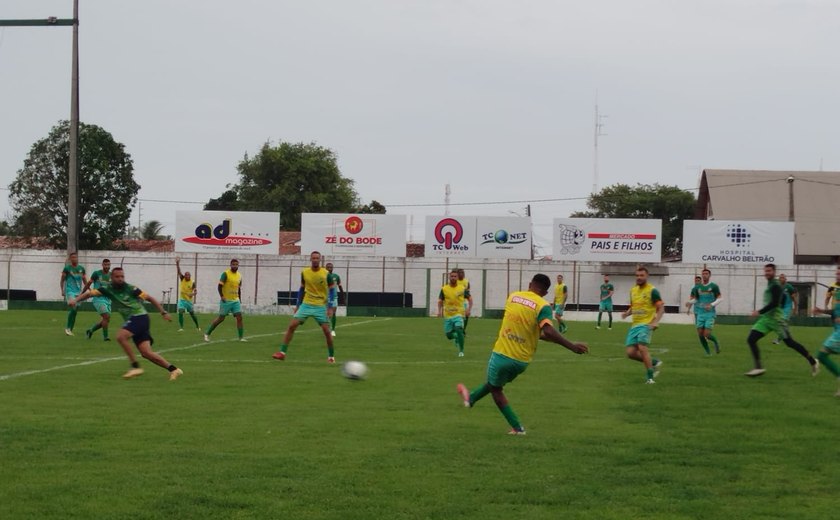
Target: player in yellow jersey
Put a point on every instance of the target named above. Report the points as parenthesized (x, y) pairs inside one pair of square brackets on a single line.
[(465, 283), (311, 303), (647, 308), (230, 292), (186, 295), (454, 304), (527, 319), (561, 293)]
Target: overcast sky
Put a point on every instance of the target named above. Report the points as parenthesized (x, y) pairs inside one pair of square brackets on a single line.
[(493, 97)]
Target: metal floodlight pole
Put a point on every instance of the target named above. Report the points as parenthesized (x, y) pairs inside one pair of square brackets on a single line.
[(73, 169)]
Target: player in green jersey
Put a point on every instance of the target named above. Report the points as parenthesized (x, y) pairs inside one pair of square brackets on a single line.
[(605, 303), (101, 304), (333, 288), (705, 297), (73, 279), (128, 301), (771, 319), (832, 343), (790, 301)]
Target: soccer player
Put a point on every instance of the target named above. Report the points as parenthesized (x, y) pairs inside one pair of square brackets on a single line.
[(647, 308), (102, 304), (451, 305), (230, 292), (705, 297), (334, 286), (464, 281), (128, 301), (789, 302), (311, 303), (561, 292), (527, 319), (186, 296), (605, 304), (771, 319), (832, 343), (73, 279)]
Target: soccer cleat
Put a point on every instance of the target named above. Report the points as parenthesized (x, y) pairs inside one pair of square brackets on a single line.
[(717, 349), (175, 374), (279, 355), (331, 360), (332, 333), (134, 372), (243, 340), (776, 341), (650, 382), (815, 368), (460, 354), (107, 339), (465, 394), (517, 431), (68, 332), (755, 372), (609, 328), (597, 327), (657, 367), (180, 330), (89, 333), (207, 338), (198, 329)]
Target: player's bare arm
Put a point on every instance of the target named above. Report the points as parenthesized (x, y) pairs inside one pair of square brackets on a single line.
[(549, 333)]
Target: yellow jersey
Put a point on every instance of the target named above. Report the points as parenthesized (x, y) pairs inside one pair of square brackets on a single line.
[(465, 283), (230, 282), (525, 315), (644, 300), (560, 292), (314, 285), (454, 299), (185, 289)]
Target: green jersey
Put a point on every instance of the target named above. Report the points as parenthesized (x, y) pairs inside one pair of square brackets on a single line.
[(606, 289), (99, 277), (333, 280), (705, 294), (73, 279), (127, 300), (772, 301), (787, 296)]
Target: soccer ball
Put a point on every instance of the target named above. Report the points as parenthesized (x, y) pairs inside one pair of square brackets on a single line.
[(355, 370)]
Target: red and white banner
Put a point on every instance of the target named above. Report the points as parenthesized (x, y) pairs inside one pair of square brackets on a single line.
[(450, 236), (608, 239), (353, 234), (737, 242), (253, 232)]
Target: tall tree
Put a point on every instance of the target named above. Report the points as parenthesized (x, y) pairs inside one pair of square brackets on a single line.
[(107, 190), (291, 178), (373, 207), (669, 203)]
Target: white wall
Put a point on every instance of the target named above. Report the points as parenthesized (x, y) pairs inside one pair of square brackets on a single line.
[(155, 273)]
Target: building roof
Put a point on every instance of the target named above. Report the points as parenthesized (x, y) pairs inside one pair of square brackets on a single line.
[(766, 195)]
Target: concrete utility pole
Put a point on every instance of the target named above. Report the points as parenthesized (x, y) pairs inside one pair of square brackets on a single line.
[(73, 169)]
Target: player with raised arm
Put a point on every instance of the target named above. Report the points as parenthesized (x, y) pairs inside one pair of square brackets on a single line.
[(454, 304), (647, 308), (527, 320), (334, 287), (771, 319), (101, 304), (230, 292), (128, 301), (705, 297), (186, 296), (561, 294), (311, 303), (605, 304), (73, 280), (832, 343)]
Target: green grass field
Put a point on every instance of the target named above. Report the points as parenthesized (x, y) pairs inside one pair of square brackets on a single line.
[(243, 436)]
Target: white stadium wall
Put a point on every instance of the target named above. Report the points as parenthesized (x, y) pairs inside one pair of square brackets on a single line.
[(491, 279)]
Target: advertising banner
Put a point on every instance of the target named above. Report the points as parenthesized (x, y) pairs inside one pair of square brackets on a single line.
[(737, 242), (252, 232), (608, 240), (503, 237), (450, 236), (349, 234)]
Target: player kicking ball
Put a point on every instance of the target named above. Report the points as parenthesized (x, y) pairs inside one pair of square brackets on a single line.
[(527, 319), (128, 301)]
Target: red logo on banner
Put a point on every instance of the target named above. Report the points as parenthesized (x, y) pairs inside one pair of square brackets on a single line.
[(449, 231), (353, 225)]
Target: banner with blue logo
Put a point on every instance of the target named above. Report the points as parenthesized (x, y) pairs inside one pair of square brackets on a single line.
[(478, 237), (737, 242)]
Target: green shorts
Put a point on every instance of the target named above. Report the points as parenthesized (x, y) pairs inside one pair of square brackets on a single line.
[(704, 320), (832, 343), (69, 296), (605, 307), (102, 305), (501, 369), (306, 310), (766, 325), (452, 323), (638, 335), (230, 307), (185, 305), (558, 309)]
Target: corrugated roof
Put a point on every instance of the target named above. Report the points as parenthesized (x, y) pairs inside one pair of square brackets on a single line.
[(765, 195)]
